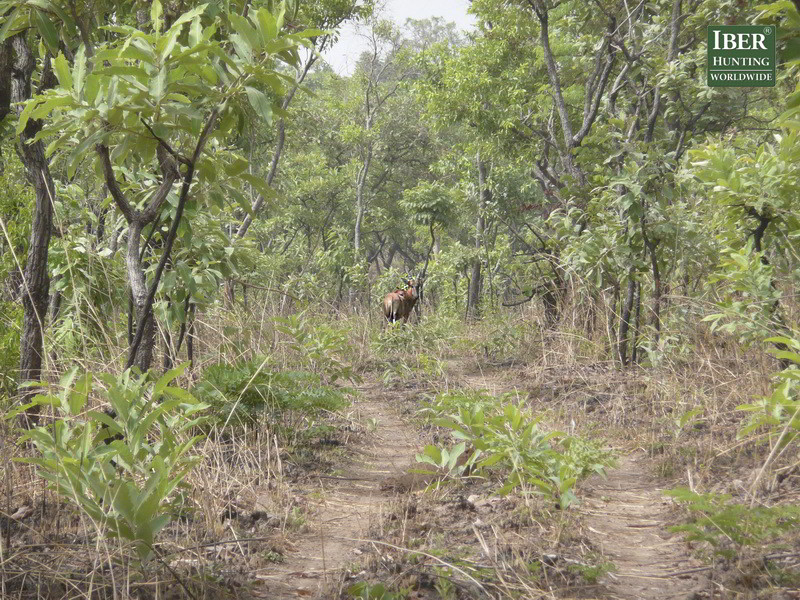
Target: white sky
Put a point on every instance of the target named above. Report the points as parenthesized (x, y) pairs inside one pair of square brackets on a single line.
[(342, 57)]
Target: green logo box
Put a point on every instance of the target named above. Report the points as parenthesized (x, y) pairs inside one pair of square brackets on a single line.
[(741, 55)]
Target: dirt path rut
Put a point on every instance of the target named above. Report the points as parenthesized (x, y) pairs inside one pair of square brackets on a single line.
[(627, 516), (346, 507)]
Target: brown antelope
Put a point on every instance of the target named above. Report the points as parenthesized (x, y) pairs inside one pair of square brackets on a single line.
[(399, 303)]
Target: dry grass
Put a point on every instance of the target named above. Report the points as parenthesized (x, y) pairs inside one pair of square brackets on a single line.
[(243, 512)]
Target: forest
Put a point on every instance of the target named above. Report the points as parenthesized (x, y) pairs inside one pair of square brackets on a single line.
[(592, 257)]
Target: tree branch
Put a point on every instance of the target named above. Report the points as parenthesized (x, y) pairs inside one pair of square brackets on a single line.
[(122, 203)]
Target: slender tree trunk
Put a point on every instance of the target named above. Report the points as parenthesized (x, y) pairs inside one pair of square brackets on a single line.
[(550, 300), (55, 302), (474, 290), (656, 290), (36, 282), (169, 360), (138, 283), (230, 294), (625, 319), (388, 262), (475, 280), (612, 319), (190, 335), (636, 323), (360, 200)]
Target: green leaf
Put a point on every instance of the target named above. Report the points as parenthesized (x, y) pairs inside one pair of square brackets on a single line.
[(156, 11), (80, 394), (167, 378), (260, 185), (267, 25), (91, 88), (196, 31), (260, 103), (243, 49), (158, 85), (180, 394), (245, 30), (9, 23), (491, 460), (238, 166), (48, 31), (192, 15), (240, 199), (166, 44), (79, 70), (62, 71)]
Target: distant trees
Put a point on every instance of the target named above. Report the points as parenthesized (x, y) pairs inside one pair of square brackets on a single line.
[(565, 153)]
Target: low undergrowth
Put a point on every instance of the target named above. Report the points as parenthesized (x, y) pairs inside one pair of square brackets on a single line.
[(506, 468), (506, 438)]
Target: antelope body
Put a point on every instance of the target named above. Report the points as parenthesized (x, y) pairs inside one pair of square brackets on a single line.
[(399, 303)]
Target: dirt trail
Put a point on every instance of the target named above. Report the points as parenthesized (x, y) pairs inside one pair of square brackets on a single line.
[(348, 505), (627, 516), (628, 519)]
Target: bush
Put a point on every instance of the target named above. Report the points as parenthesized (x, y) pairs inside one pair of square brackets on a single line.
[(122, 468), (506, 437), (245, 393), (728, 527), (10, 328)]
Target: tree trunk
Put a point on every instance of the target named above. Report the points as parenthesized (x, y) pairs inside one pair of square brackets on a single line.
[(55, 302), (36, 285), (136, 278), (625, 319), (190, 336), (475, 280), (168, 358), (388, 262), (636, 323), (656, 291), (360, 201)]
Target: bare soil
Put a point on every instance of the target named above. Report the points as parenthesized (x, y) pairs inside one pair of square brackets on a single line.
[(347, 505), (627, 517), (622, 519)]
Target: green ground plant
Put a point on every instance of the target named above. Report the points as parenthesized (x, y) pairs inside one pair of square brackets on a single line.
[(123, 469), (729, 527), (507, 438), (10, 326), (726, 526), (320, 348), (250, 392), (779, 413), (375, 591)]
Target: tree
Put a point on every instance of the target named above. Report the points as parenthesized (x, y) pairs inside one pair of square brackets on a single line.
[(328, 17), (17, 88), (147, 104)]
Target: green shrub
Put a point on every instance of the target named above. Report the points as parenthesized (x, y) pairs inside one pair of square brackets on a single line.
[(245, 393), (122, 469), (779, 413), (375, 591), (506, 437), (434, 333), (727, 526), (10, 328), (319, 348)]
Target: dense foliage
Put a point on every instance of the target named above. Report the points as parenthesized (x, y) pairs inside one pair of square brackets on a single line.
[(190, 181)]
